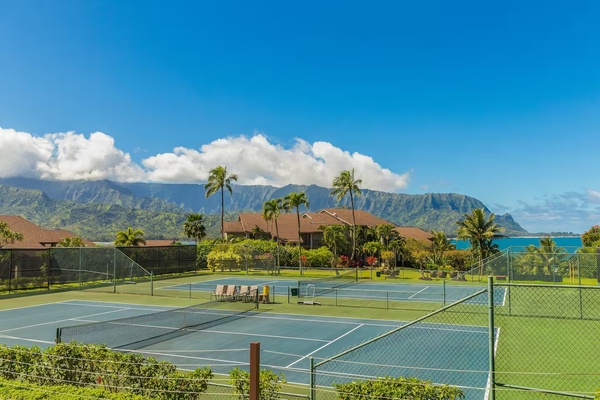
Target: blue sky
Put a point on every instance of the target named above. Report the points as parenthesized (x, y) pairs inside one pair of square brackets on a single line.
[(495, 100)]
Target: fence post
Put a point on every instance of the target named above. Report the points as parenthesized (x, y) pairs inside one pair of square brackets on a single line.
[(444, 291), (10, 256), (115, 270), (491, 334), (80, 268), (151, 283), (254, 370), (311, 393)]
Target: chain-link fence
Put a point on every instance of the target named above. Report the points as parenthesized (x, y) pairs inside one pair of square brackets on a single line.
[(509, 341), (535, 265), (85, 267)]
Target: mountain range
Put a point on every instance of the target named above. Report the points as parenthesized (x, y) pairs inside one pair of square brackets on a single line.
[(96, 210)]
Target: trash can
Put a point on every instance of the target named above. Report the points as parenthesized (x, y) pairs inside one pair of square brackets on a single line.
[(378, 273), (266, 290), (294, 291)]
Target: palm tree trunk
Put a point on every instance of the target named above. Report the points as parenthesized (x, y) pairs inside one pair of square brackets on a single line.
[(222, 214), (299, 247), (353, 227), (277, 233)]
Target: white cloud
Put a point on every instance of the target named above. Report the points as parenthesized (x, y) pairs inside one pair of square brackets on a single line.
[(256, 161), (594, 196), (64, 156)]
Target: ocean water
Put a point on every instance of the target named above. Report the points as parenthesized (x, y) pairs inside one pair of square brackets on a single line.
[(571, 243)]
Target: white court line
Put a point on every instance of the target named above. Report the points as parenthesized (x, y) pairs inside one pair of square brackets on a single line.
[(420, 291), (58, 321), (299, 318), (181, 356), (275, 316), (322, 347), (36, 305), (28, 340), (263, 335)]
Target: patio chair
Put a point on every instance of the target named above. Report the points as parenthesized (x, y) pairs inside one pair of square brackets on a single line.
[(231, 293), (253, 293), (244, 293), (219, 292)]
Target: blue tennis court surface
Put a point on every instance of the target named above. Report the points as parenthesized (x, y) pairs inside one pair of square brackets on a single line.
[(362, 290), (287, 341)]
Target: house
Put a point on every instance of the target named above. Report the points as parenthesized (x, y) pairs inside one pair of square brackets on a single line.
[(254, 225), (34, 236)]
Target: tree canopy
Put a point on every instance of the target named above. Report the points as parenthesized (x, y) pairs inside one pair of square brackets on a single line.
[(343, 184), (130, 237), (7, 236), (218, 180)]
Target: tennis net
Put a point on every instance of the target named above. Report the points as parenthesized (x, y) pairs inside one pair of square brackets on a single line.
[(325, 285), (141, 331)]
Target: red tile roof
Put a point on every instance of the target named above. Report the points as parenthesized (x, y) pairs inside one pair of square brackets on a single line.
[(35, 237), (311, 221)]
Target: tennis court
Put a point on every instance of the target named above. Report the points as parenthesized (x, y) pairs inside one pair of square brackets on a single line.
[(287, 341), (346, 289)]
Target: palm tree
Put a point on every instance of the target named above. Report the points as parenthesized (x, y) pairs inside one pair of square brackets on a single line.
[(130, 237), (344, 184), (480, 233), (291, 201), (439, 244), (194, 227), (219, 180), (271, 211), (335, 237), (71, 242), (386, 233)]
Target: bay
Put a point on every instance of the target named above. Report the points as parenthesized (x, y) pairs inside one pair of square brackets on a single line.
[(569, 243)]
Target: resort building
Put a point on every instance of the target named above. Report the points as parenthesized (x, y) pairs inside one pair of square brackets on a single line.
[(253, 225)]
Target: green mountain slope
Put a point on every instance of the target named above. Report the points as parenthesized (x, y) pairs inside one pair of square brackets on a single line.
[(96, 210)]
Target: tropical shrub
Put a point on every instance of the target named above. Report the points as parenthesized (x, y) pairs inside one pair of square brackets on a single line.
[(591, 237), (30, 391), (77, 364), (269, 384), (396, 388), (220, 259), (321, 257)]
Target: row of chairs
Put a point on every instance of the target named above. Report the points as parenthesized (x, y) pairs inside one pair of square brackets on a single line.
[(235, 293)]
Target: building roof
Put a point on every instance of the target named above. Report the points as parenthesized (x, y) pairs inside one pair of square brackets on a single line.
[(34, 236), (311, 221), (158, 242), (414, 233)]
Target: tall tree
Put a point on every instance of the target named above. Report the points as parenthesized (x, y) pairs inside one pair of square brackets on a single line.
[(344, 184), (293, 201), (335, 237), (440, 244), (480, 232), (386, 233), (271, 211), (218, 180), (71, 242), (7, 236), (194, 227), (130, 237)]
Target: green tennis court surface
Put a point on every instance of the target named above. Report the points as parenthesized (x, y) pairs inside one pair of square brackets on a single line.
[(287, 341)]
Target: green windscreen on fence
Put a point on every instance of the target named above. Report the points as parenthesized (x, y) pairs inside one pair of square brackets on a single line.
[(144, 330)]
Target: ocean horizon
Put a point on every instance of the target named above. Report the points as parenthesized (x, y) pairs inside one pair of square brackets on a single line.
[(569, 243)]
